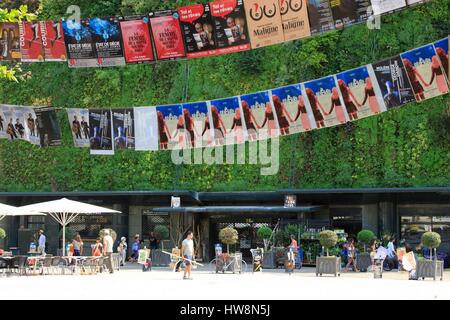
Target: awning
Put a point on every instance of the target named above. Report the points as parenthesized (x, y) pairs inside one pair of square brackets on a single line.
[(242, 209)]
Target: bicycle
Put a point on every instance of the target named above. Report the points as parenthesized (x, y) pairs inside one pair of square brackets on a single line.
[(224, 263)]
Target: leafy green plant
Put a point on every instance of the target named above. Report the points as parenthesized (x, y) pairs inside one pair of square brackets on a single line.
[(228, 236), (161, 233), (431, 240), (365, 237), (112, 233), (328, 239), (2, 234), (70, 233), (265, 233)]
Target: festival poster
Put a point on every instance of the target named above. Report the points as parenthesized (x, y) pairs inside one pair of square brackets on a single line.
[(52, 36), (326, 104), (362, 10), (294, 16), (3, 122), (10, 42), (18, 116), (230, 26), (228, 121), (425, 72), (260, 119), (441, 48), (320, 16), (29, 120), (146, 129), (9, 121), (264, 22), (344, 12), (79, 125), (47, 126), (393, 81), (197, 28), (197, 122), (123, 129), (30, 42), (293, 114), (385, 6), (100, 132), (171, 130), (79, 45), (137, 42), (361, 94), (167, 35), (107, 41)]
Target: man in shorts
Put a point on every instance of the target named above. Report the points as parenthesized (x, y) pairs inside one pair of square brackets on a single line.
[(187, 249)]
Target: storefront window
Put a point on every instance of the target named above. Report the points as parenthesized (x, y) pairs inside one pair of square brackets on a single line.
[(89, 226), (412, 227)]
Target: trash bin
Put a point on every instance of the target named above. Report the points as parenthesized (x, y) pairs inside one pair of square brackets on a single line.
[(257, 259), (378, 269)]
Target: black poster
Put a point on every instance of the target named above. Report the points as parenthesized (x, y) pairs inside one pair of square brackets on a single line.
[(361, 9), (344, 12), (107, 41), (48, 130), (80, 48), (123, 128), (320, 16), (100, 129), (394, 83)]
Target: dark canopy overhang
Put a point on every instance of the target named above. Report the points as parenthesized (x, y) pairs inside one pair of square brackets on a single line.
[(242, 209)]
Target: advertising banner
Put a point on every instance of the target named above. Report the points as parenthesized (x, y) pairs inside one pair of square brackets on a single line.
[(52, 36), (10, 42), (137, 42), (198, 125), (146, 129), (48, 128), (79, 125), (167, 35), (320, 16), (30, 42), (101, 132), (107, 40), (7, 125), (29, 120), (230, 26), (171, 131), (228, 121), (198, 31), (362, 9), (123, 129), (441, 48), (79, 45), (344, 12), (3, 122), (384, 6), (264, 22), (294, 16)]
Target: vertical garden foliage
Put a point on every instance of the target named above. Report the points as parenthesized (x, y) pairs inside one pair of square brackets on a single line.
[(407, 147)]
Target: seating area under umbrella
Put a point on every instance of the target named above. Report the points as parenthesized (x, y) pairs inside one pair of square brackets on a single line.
[(64, 211)]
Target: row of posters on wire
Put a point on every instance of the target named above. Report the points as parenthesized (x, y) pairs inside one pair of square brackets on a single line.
[(416, 75), (193, 31)]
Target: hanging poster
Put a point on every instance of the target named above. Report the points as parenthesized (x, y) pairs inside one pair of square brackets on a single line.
[(229, 126), (79, 125), (18, 117), (30, 42), (198, 125), (362, 10), (3, 122), (384, 6), (167, 35), (260, 119), (425, 72), (100, 129), (441, 48), (326, 104), (123, 129), (79, 46), (292, 112), (52, 36), (9, 127), (10, 42), (47, 126), (198, 30), (294, 16), (344, 12), (230, 26), (29, 120), (360, 91), (137, 43), (171, 129), (393, 82), (320, 16), (146, 129), (264, 22), (107, 40)]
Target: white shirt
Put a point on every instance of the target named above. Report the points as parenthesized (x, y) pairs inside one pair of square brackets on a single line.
[(42, 240), (108, 244), (391, 250), (188, 247)]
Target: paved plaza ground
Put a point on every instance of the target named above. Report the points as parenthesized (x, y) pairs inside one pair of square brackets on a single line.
[(162, 284)]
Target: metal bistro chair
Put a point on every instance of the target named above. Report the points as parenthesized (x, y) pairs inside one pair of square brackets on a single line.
[(89, 266), (47, 265), (19, 264), (56, 265), (4, 265)]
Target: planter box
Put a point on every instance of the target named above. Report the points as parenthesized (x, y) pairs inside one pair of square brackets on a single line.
[(363, 261), (430, 269), (269, 260), (328, 265), (159, 258)]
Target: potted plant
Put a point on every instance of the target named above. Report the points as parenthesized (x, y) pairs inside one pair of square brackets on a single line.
[(229, 236), (161, 233), (265, 233), (158, 257), (2, 235), (328, 264), (430, 268), (363, 261)]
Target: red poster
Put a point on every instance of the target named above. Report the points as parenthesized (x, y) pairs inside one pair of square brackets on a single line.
[(30, 42), (136, 41), (52, 36), (167, 35)]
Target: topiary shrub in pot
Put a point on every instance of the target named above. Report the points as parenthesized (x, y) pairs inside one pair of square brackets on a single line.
[(431, 268), (363, 260), (228, 236), (161, 233), (329, 264), (264, 233)]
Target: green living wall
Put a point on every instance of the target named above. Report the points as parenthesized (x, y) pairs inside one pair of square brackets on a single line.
[(406, 147)]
